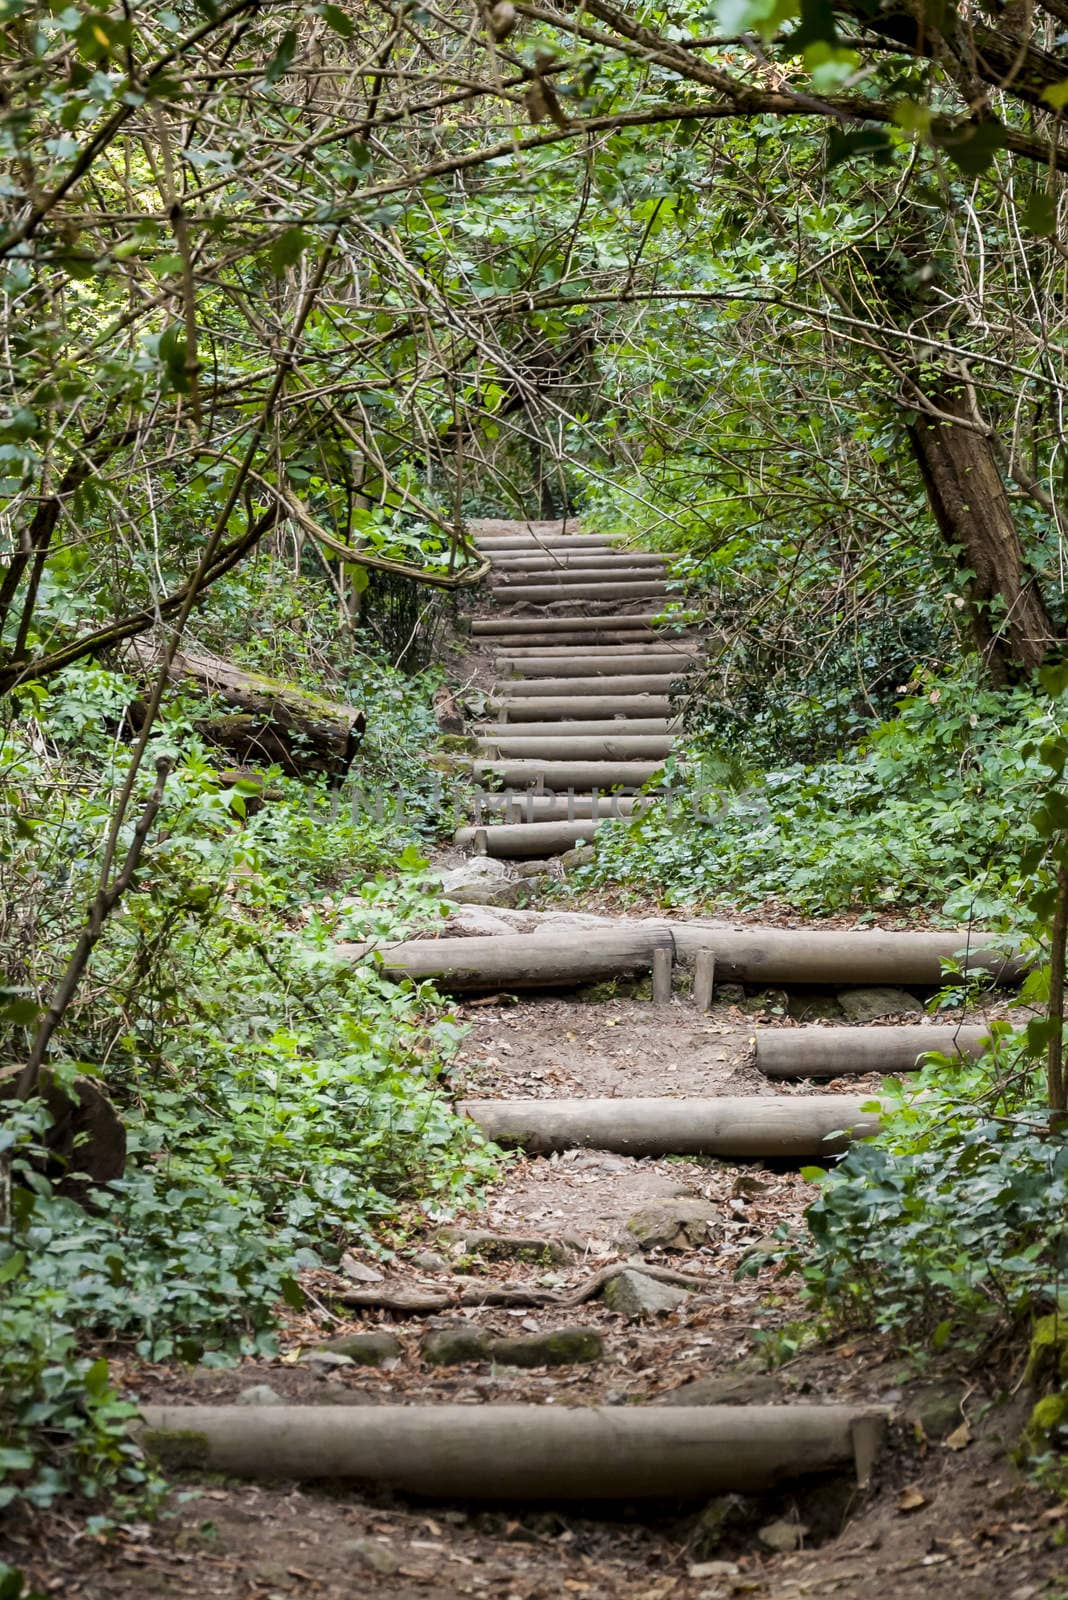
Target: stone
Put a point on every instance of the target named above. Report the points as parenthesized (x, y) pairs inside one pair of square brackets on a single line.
[(768, 1002), (729, 994), (476, 922), (429, 1261), (729, 1517), (378, 1557), (260, 1394), (936, 1407), (489, 894), (634, 1295), (713, 1569), (532, 869), (815, 1008), (728, 1389), (562, 1347), (480, 881), (869, 1004), (678, 1225), (508, 1246), (580, 856), (451, 1347), (326, 1358), (367, 1349), (782, 1536), (359, 1271)]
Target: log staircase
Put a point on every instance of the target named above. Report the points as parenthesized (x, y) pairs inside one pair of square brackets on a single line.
[(586, 679), (572, 715)]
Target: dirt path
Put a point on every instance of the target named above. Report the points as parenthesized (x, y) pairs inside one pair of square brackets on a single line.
[(944, 1514)]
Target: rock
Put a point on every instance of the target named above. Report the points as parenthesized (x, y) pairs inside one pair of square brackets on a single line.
[(730, 994), (475, 922), (729, 1389), (679, 1225), (451, 1347), (936, 1407), (727, 1517), (488, 894), (532, 869), (429, 1261), (378, 1557), (509, 1246), (366, 1349), (259, 1394), (713, 1569), (530, 887), (815, 1008), (358, 1271), (580, 856), (868, 1005), (634, 1295), (326, 1358), (561, 1347), (769, 1002), (480, 881), (782, 1536)]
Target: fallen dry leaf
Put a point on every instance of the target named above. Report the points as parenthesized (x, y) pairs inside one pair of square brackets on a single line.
[(959, 1439), (911, 1499)]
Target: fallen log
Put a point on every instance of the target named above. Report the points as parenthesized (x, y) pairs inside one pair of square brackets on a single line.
[(85, 1145), (490, 963), (834, 1052), (597, 559), (611, 572), (737, 1128), (565, 746), (535, 708), (270, 722), (604, 649), (517, 1452)]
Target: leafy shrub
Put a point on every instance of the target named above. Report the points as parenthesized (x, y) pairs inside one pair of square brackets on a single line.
[(934, 808)]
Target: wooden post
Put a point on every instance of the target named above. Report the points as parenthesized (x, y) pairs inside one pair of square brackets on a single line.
[(704, 974), (662, 963)]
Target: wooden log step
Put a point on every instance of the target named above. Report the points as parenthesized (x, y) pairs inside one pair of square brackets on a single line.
[(835, 1052), (610, 589), (542, 541), (685, 651), (517, 961), (519, 772), (561, 747), (505, 584), (530, 807), (836, 958), (520, 643), (539, 625), (575, 728), (521, 1453), (539, 560), (801, 1127), (519, 708), (657, 683), (752, 955), (517, 841), (602, 664)]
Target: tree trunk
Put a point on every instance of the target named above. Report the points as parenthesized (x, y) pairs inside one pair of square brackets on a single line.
[(1009, 620)]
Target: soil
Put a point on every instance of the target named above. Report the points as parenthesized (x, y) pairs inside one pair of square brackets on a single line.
[(940, 1514)]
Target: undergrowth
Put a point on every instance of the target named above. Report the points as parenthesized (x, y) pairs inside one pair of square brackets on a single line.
[(279, 1102)]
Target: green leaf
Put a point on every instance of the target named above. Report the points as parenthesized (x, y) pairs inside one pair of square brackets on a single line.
[(1039, 215), (971, 146), (293, 1294), (96, 1379), (1056, 94), (287, 249), (12, 1266), (339, 20), (869, 143), (282, 59)]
